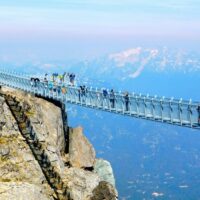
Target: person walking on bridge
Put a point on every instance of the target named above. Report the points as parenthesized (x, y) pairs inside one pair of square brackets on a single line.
[(83, 91), (198, 110), (32, 81), (67, 79), (60, 79), (105, 97), (79, 94), (45, 81), (126, 101), (46, 76), (112, 98), (54, 88), (54, 76), (45, 86), (72, 78)]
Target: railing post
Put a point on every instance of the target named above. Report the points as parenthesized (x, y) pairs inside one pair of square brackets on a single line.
[(145, 109), (137, 107), (107, 100), (161, 106), (163, 114), (147, 99), (153, 108), (171, 109), (180, 110), (123, 104), (190, 112), (90, 97), (97, 97), (129, 103)]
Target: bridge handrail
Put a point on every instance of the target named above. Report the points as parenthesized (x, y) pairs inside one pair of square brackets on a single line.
[(132, 95), (161, 109)]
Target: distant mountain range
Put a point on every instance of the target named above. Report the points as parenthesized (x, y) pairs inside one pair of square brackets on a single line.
[(132, 62), (128, 64), (139, 59)]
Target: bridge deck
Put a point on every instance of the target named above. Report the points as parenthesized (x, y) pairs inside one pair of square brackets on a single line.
[(166, 110)]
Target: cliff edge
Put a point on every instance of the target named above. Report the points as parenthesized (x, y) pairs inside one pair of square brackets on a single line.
[(41, 157)]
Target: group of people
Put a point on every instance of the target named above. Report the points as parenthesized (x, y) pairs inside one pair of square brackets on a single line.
[(59, 79), (55, 81), (104, 97), (58, 83), (34, 82), (112, 97), (82, 92)]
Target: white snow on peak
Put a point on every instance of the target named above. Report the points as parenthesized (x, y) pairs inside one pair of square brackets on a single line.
[(133, 56), (127, 56), (135, 60)]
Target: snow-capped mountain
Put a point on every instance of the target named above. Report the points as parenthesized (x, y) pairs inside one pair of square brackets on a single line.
[(157, 60), (132, 63), (123, 65)]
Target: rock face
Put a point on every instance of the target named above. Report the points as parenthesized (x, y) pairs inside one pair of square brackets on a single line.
[(81, 183), (83, 177), (81, 152), (104, 191), (48, 125), (22, 191), (20, 173), (46, 120)]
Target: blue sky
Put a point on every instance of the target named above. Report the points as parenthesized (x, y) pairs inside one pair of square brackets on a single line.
[(95, 27)]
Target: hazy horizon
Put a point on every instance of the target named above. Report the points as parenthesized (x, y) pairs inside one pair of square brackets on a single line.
[(72, 29)]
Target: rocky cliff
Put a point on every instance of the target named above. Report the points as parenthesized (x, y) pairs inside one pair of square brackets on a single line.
[(41, 157)]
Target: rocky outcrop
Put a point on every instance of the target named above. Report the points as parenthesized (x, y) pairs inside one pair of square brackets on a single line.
[(46, 121), (104, 191), (20, 173), (22, 191), (81, 152), (104, 170), (81, 183), (34, 156)]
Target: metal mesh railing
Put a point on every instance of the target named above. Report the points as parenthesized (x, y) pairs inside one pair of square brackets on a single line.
[(167, 110)]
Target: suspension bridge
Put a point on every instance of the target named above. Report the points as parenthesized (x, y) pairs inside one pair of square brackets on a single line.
[(160, 109)]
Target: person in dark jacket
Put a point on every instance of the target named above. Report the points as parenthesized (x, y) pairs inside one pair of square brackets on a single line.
[(105, 93), (35, 82), (79, 94), (32, 82), (72, 79), (198, 110), (82, 92), (126, 101), (112, 98), (105, 97)]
